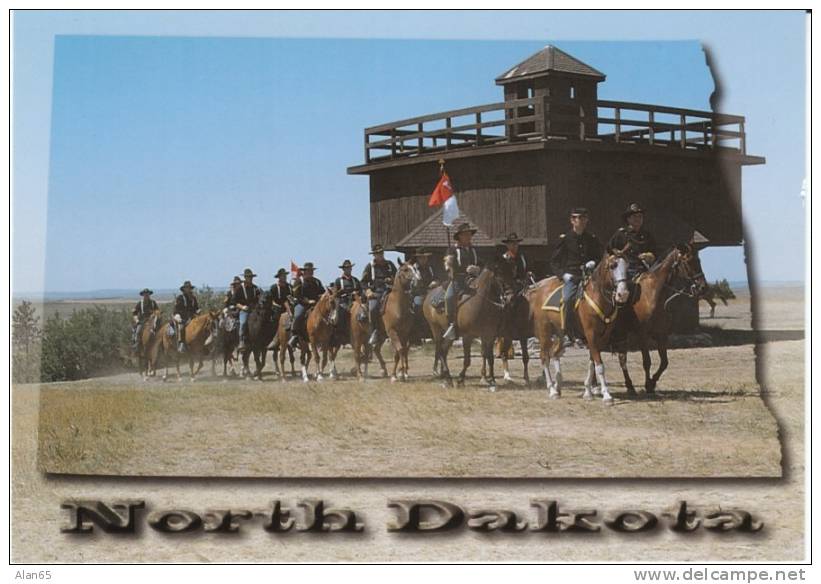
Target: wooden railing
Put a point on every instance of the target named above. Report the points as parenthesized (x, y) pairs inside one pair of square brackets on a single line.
[(537, 119)]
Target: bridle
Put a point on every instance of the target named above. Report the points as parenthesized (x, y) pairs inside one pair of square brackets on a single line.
[(607, 291), (689, 278)]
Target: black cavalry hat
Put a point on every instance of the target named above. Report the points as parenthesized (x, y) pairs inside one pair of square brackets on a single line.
[(281, 272), (464, 228), (248, 272), (347, 264), (377, 249), (578, 211), (236, 280), (632, 209), (309, 266), (187, 284), (145, 291), (420, 252), (512, 238)]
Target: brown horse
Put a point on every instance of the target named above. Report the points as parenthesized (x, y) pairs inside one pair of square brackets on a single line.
[(517, 324), (362, 350), (148, 350), (604, 292), (281, 345), (477, 317), (321, 322), (226, 340), (651, 317), (197, 332), (398, 318)]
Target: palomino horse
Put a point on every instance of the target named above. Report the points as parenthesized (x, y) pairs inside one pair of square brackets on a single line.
[(362, 350), (321, 323), (398, 318), (477, 317), (260, 333), (603, 294), (197, 332), (651, 319), (149, 348)]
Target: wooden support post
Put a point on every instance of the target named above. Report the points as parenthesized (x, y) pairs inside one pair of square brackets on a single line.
[(367, 148), (421, 139), (683, 131), (447, 127), (618, 124), (545, 117), (581, 122), (742, 139), (393, 143), (478, 129), (652, 125)]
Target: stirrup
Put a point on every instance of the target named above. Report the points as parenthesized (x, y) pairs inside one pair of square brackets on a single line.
[(181, 347), (373, 338), (450, 334), (293, 341)]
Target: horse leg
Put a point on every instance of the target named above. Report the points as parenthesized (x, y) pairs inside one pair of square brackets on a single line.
[(628, 383), (504, 349), (589, 390), (525, 360), (487, 350), (397, 355), (466, 343), (646, 363), (557, 373), (334, 351), (662, 350), (378, 352), (599, 367), (406, 360)]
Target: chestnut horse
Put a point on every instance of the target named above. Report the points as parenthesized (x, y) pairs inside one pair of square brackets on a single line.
[(477, 317), (197, 332), (321, 322), (651, 317), (226, 340), (362, 350), (398, 318), (148, 350), (603, 294)]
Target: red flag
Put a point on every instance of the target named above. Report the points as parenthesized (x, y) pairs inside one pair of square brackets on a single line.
[(442, 192), (294, 269)]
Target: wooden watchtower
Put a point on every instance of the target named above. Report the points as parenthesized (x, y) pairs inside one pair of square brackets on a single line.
[(522, 163)]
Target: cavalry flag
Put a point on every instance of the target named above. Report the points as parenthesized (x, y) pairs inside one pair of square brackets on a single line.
[(294, 269), (443, 195)]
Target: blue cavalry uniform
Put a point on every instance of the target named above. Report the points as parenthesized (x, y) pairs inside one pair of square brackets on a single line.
[(642, 250), (377, 279), (572, 253), (347, 286), (306, 292), (461, 257), (142, 310), (281, 293), (245, 298), (186, 307)]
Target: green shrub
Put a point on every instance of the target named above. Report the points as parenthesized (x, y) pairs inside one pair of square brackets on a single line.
[(92, 341)]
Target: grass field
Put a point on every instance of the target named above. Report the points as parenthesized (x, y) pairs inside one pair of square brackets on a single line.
[(708, 420)]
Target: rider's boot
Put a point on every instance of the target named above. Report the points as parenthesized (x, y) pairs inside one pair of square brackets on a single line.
[(450, 334), (374, 338), (293, 341)]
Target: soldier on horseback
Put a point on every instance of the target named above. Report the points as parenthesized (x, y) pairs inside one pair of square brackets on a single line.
[(462, 261), (347, 285), (142, 310), (186, 307), (577, 251), (281, 293), (245, 298), (377, 279), (228, 301), (421, 261), (306, 291), (642, 251), (517, 263)]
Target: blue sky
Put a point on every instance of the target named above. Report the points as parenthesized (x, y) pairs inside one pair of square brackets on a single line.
[(190, 157)]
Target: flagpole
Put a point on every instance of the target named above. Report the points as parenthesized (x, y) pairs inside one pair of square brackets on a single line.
[(447, 227)]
